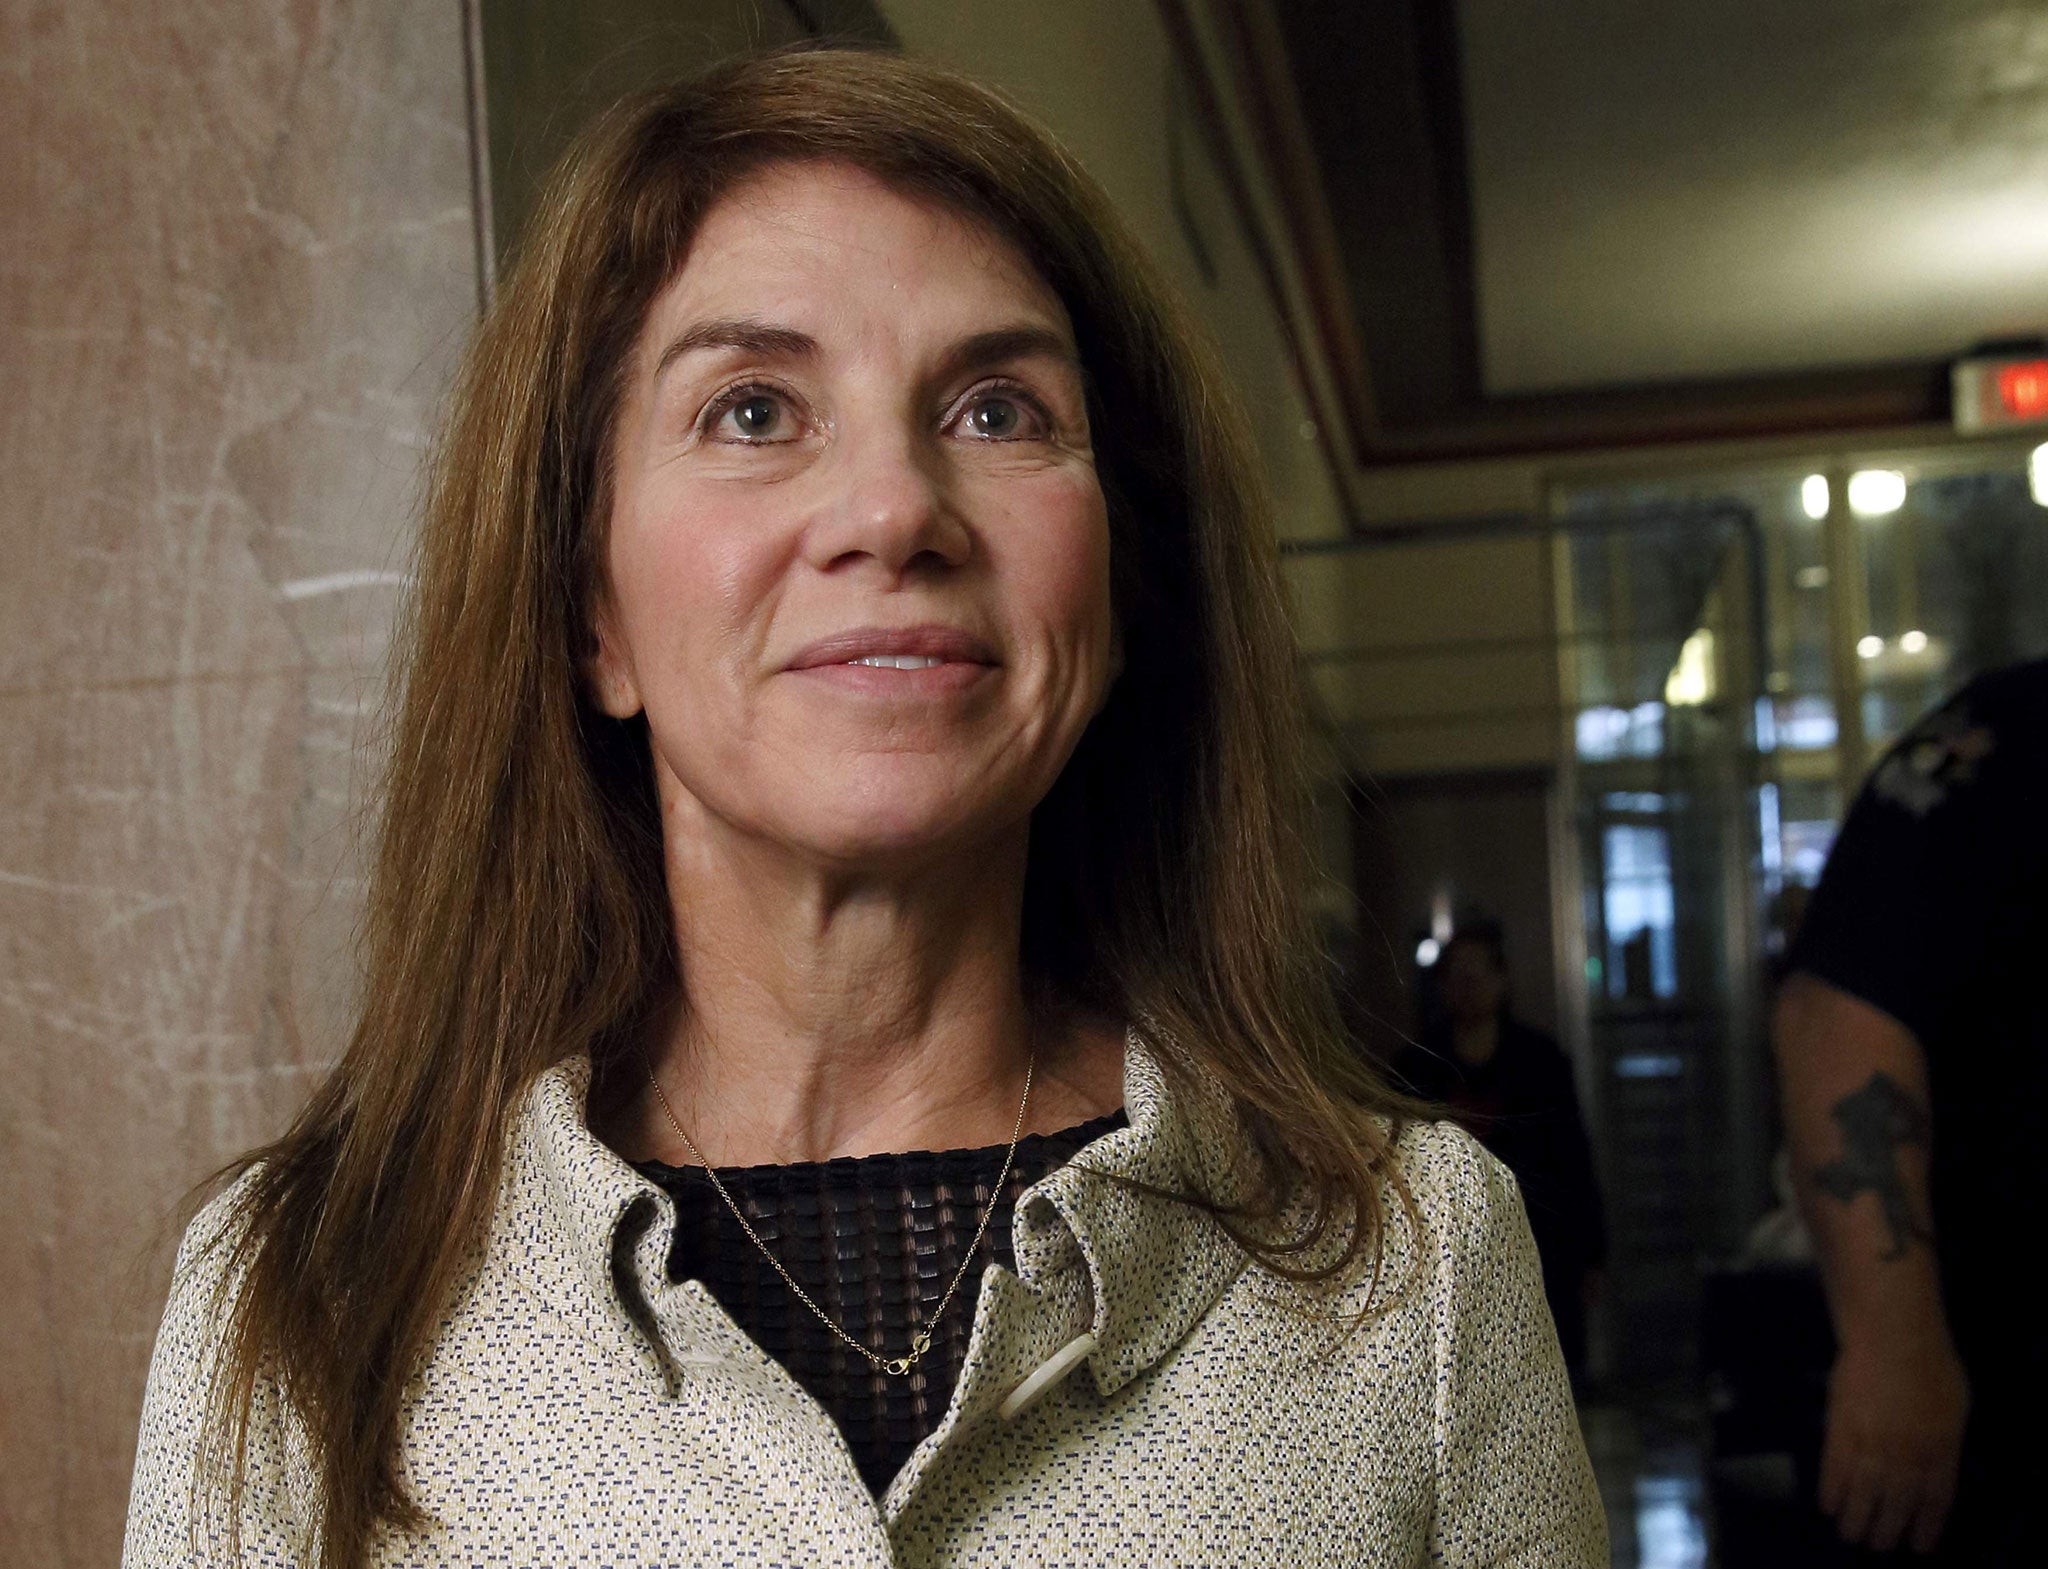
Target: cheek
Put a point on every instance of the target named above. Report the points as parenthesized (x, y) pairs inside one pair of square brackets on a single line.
[(1061, 561), (688, 578)]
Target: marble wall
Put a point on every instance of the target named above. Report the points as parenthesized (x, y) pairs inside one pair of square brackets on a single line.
[(236, 260)]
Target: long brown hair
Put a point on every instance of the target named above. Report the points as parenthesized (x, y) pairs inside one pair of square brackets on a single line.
[(517, 913)]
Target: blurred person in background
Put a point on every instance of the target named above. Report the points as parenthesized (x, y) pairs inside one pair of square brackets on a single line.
[(1912, 1046), (1512, 1086)]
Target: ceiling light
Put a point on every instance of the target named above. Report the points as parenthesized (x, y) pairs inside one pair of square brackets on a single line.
[(2037, 474), (1426, 951), (1874, 492), (1440, 915), (1691, 681), (1912, 642), (1813, 495), (1870, 647)]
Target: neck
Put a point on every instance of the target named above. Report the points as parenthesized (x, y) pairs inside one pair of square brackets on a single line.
[(1476, 1040), (827, 1013)]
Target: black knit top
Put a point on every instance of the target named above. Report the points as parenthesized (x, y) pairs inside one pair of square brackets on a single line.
[(875, 1241)]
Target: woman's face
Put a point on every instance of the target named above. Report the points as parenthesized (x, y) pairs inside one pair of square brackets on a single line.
[(858, 556)]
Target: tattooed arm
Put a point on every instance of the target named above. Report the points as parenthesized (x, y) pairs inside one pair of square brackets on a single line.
[(1855, 1098)]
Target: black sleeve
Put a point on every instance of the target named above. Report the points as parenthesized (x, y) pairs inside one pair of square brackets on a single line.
[(1920, 870), (1544, 1143), (1578, 1186), (1585, 1181)]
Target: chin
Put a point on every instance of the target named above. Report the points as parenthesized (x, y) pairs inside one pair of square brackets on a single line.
[(869, 812), (878, 823)]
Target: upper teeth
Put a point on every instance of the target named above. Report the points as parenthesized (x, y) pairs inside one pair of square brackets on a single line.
[(899, 661)]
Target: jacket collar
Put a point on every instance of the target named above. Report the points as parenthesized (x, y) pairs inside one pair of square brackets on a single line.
[(1140, 1268), (1154, 1263), (579, 1223)]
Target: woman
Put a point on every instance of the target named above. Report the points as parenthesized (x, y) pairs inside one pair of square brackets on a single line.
[(1512, 1087), (848, 714)]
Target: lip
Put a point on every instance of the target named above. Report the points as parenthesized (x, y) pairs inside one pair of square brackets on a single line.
[(950, 644)]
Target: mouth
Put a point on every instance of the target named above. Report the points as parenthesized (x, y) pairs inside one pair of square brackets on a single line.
[(921, 664), (896, 648)]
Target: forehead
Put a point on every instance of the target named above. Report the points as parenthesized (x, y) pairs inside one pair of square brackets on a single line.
[(828, 247)]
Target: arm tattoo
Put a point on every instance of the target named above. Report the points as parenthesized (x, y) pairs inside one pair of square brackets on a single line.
[(1875, 1121)]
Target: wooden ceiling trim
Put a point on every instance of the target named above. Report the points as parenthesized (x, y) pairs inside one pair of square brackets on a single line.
[(1329, 326)]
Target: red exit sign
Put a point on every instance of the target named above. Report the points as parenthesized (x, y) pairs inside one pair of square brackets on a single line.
[(1995, 392)]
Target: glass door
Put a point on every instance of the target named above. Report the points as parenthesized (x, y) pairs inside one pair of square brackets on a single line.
[(1664, 663)]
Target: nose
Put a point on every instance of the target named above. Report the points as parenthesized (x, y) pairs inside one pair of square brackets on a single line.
[(887, 510)]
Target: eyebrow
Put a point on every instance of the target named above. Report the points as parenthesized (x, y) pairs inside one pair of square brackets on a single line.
[(749, 336), (742, 333), (1024, 341)]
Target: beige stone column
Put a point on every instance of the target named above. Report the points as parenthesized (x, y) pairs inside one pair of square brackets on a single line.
[(236, 260)]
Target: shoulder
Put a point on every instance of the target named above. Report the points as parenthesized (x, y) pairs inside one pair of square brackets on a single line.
[(2009, 709), (1987, 742), (1451, 1175), (1455, 1222), (1445, 1204), (204, 1277), (204, 1281), (2016, 692), (174, 1506)]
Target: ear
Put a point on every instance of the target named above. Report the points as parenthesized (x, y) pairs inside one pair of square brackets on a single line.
[(608, 668)]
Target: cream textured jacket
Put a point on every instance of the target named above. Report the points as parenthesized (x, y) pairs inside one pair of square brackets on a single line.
[(579, 1408)]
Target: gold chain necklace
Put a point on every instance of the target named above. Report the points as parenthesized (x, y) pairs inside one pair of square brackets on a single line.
[(921, 1342)]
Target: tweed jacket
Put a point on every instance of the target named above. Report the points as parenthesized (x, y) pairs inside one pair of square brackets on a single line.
[(578, 1407)]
